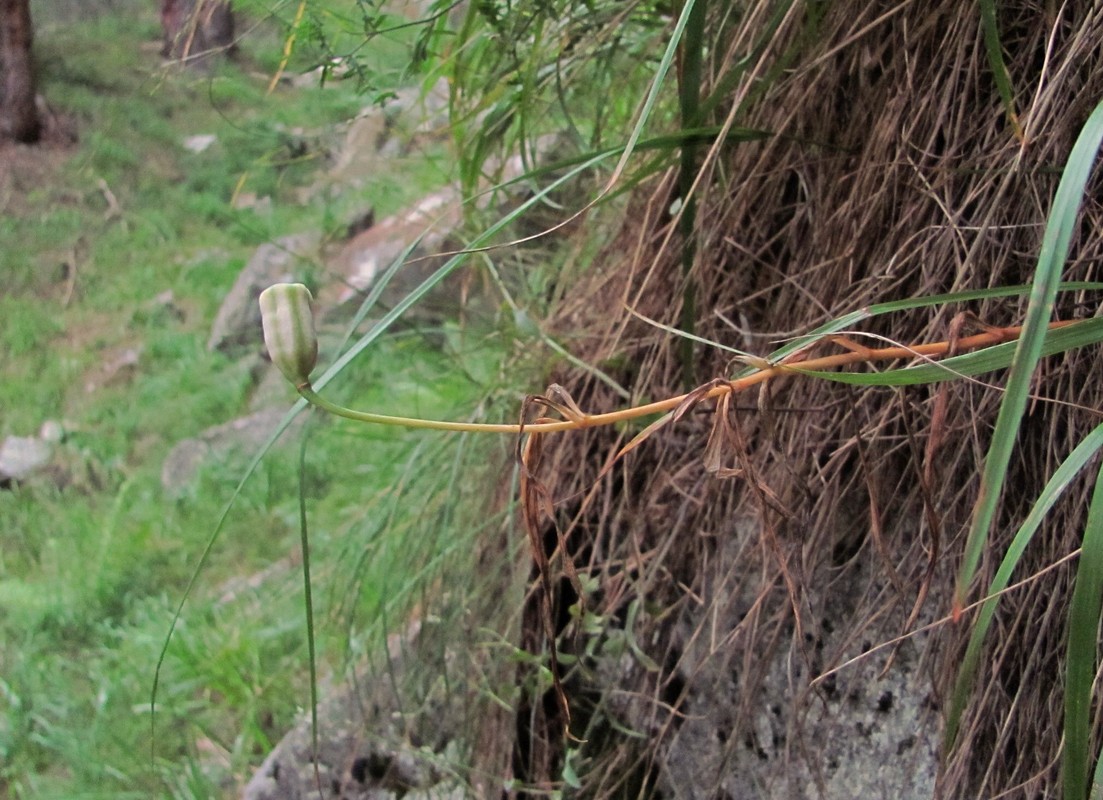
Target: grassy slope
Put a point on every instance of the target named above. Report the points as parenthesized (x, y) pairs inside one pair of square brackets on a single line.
[(89, 575)]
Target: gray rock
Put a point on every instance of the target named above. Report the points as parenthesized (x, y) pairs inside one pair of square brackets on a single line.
[(388, 130), (361, 260), (869, 730), (271, 388), (22, 456), (52, 432), (118, 367), (199, 142), (230, 444), (371, 744), (237, 324)]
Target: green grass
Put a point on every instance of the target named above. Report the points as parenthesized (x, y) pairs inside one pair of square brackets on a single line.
[(90, 574)]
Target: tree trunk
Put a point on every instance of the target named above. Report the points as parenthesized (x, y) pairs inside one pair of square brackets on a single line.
[(194, 29), (19, 118)]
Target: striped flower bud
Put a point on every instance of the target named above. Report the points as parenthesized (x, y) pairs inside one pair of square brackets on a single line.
[(289, 330)]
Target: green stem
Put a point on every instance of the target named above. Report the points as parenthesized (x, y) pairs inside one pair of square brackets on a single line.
[(689, 97), (308, 393)]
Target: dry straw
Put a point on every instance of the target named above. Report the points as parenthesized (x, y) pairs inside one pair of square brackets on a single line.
[(894, 174)]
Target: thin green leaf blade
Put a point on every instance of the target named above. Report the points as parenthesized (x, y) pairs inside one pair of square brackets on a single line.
[(979, 362), (1084, 613), (1054, 489), (851, 319), (1000, 73), (1051, 261)]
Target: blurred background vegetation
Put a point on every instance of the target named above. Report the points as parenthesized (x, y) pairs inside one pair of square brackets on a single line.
[(96, 225)]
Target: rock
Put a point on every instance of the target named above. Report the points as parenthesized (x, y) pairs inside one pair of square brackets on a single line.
[(389, 129), (23, 456), (230, 444), (330, 74), (432, 223), (237, 324), (52, 432), (358, 154), (117, 368), (360, 222), (368, 254), (369, 748), (270, 388), (199, 142), (866, 731), (160, 311), (250, 200)]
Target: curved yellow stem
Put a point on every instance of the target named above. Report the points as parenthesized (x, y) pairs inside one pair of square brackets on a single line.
[(764, 373)]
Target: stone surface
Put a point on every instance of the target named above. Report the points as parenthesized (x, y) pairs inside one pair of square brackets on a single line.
[(199, 142), (23, 456), (117, 367), (237, 325), (368, 254), (388, 130), (52, 432), (230, 444), (372, 745), (865, 731)]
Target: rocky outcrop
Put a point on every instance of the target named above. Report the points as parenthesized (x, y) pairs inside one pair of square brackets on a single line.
[(371, 745), (229, 445), (868, 730), (237, 324), (23, 456)]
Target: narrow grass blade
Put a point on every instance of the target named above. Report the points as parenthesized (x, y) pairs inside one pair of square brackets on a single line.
[(308, 607), (999, 67), (1084, 613), (1051, 261), (689, 100), (661, 70), (1053, 491), (724, 88), (989, 359), (692, 337), (854, 317)]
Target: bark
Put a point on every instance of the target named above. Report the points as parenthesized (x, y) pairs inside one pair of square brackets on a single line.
[(19, 119), (196, 28)]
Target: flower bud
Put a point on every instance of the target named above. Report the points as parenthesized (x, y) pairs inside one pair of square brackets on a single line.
[(289, 330)]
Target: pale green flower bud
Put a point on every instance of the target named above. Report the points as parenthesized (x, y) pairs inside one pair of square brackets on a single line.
[(289, 330)]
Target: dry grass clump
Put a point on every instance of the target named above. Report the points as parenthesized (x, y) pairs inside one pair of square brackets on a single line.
[(894, 172)]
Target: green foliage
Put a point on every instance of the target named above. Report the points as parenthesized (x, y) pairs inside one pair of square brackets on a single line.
[(90, 573), (1084, 613)]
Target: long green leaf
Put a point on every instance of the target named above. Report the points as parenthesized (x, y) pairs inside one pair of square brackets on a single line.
[(1084, 612), (994, 49), (1053, 491), (847, 321), (689, 99), (1097, 781), (999, 356), (1051, 262), (851, 319)]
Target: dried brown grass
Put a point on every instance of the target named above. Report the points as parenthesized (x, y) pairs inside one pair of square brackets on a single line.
[(894, 174)]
